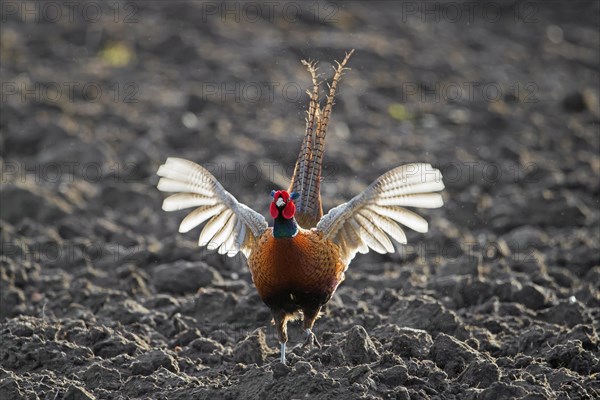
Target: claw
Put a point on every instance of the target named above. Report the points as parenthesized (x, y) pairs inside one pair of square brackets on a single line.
[(311, 339)]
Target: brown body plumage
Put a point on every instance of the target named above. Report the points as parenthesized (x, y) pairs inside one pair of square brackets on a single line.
[(298, 263), (295, 274)]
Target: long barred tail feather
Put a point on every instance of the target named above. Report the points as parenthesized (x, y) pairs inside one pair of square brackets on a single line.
[(307, 173)]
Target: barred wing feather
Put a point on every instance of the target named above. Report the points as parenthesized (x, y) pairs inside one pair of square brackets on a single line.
[(375, 215), (232, 226)]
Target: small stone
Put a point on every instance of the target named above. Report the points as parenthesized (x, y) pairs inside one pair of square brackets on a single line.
[(252, 350), (114, 346), (334, 354), (358, 347), (161, 301), (361, 374), (502, 391), (562, 277), (411, 343), (303, 367), (23, 329), (402, 393), (438, 379), (394, 376), (532, 296), (97, 376), (451, 355), (586, 334), (78, 393), (127, 311), (427, 314), (480, 374), (149, 362), (185, 277), (139, 386), (565, 313), (280, 370), (184, 338), (572, 356), (206, 345)]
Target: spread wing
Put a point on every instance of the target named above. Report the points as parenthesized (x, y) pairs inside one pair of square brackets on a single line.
[(372, 217), (232, 227)]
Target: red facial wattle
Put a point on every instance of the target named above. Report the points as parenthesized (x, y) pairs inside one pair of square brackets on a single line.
[(273, 209), (288, 211)]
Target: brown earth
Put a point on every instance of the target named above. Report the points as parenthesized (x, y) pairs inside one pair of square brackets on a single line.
[(102, 298)]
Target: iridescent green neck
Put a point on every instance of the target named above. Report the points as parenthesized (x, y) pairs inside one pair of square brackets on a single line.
[(284, 228)]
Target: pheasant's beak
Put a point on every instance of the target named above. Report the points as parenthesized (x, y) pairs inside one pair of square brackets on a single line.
[(280, 202)]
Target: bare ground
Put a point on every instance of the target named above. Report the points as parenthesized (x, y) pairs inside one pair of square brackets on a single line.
[(102, 298)]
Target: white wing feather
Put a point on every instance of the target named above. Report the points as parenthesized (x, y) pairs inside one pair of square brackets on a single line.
[(232, 226), (211, 228), (180, 201), (223, 234), (368, 219), (198, 216)]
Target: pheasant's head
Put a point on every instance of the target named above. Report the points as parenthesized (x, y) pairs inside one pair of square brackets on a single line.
[(283, 204)]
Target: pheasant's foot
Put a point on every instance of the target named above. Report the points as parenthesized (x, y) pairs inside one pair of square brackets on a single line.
[(311, 339)]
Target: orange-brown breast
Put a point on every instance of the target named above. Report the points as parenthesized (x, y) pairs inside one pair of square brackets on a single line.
[(305, 266)]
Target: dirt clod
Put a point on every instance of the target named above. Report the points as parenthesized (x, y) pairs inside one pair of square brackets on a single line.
[(101, 296)]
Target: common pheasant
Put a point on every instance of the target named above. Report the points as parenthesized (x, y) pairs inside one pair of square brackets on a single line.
[(298, 263)]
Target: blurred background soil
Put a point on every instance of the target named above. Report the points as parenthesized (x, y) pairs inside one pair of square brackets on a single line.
[(101, 297)]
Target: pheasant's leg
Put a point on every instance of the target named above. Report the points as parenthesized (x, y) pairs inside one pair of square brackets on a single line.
[(282, 352), (310, 316), (281, 318)]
